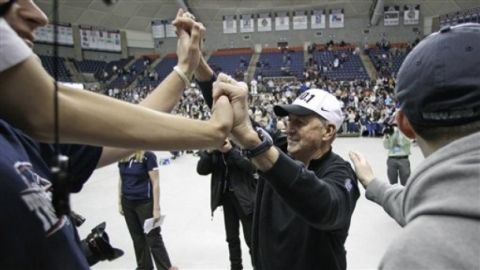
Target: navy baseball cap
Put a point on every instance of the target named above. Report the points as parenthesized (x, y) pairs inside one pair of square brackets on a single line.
[(438, 83)]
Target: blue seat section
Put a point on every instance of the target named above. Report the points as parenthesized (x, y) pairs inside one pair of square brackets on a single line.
[(162, 69), (387, 62), (230, 64), (48, 63), (275, 64), (90, 66), (350, 66)]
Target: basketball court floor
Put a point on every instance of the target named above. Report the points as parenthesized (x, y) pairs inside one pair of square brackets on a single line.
[(195, 240)]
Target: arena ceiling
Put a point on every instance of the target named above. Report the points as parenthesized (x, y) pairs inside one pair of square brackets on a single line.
[(137, 14)]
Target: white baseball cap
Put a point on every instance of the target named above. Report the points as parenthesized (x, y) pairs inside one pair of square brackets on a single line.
[(314, 101)]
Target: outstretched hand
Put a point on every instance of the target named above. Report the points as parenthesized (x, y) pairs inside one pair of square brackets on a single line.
[(362, 168)]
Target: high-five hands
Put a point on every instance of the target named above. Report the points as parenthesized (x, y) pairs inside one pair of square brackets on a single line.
[(237, 93), (190, 35)]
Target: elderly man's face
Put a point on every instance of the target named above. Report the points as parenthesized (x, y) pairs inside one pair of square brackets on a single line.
[(305, 136), (24, 17)]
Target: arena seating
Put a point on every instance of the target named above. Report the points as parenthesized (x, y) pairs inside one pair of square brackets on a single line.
[(350, 69), (231, 61), (48, 63), (274, 63)]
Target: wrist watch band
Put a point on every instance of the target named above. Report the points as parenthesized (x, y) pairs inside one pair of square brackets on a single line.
[(266, 143)]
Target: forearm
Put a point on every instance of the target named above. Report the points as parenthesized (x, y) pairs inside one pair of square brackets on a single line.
[(264, 161), (89, 118), (390, 197), (203, 72), (156, 196), (166, 95)]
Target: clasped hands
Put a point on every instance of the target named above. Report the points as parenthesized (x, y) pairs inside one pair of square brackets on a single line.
[(190, 35)]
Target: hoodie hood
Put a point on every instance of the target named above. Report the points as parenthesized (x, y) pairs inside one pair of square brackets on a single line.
[(447, 183)]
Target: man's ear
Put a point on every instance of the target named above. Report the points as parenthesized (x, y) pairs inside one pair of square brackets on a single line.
[(331, 131), (404, 125)]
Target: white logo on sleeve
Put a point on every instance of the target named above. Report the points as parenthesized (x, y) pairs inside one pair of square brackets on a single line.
[(36, 197), (348, 184)]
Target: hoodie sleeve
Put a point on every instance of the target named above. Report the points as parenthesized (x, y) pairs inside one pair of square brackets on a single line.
[(390, 197)]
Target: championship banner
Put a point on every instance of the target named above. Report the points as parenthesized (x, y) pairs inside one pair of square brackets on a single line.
[(318, 19), (230, 24), (246, 23), (158, 29), (411, 14), (336, 18), (95, 38), (391, 15), (282, 21), (64, 34), (300, 20), (170, 29), (264, 22)]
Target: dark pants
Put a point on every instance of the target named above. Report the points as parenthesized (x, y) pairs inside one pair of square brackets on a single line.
[(233, 215), (135, 213), (398, 167)]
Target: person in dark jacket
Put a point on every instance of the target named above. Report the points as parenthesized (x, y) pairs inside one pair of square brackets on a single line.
[(232, 186), (305, 199)]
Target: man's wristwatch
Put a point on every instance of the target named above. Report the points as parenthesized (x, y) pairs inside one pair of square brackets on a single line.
[(266, 143)]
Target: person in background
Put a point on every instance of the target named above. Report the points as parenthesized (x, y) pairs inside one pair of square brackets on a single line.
[(398, 146), (233, 183), (438, 88), (139, 200)]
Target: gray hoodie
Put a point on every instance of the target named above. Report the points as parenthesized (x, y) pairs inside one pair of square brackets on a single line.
[(439, 209)]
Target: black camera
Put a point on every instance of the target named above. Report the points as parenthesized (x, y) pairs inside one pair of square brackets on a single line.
[(96, 247), (388, 130)]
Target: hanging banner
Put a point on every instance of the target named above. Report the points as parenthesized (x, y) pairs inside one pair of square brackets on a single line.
[(391, 15), (64, 34), (318, 19), (230, 24), (282, 21), (246, 23), (158, 29), (96, 38), (411, 14), (336, 18), (264, 22), (170, 29), (300, 20)]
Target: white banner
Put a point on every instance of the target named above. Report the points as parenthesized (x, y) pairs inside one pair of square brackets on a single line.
[(264, 22), (93, 38), (246, 23), (170, 29), (300, 20), (336, 18), (282, 21), (158, 29), (229, 24), (391, 15), (64, 34), (411, 14), (318, 19)]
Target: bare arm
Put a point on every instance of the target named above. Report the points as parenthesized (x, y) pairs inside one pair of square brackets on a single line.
[(89, 118), (166, 95), (155, 179), (120, 208)]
